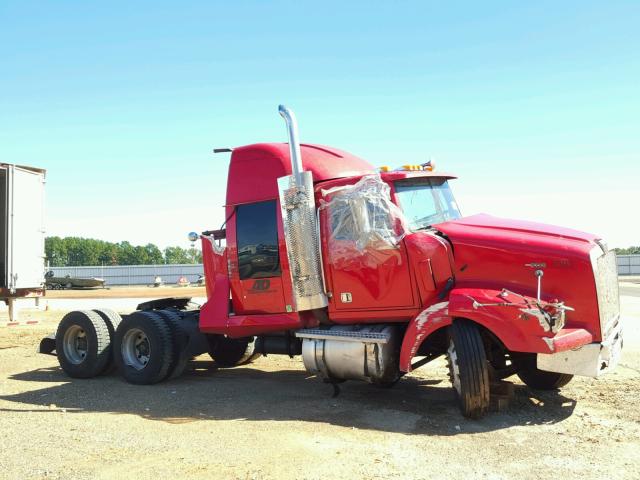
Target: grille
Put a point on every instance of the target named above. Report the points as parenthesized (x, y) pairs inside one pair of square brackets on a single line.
[(606, 276)]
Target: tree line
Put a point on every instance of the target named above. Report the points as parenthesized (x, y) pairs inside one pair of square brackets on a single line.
[(628, 251), (77, 251)]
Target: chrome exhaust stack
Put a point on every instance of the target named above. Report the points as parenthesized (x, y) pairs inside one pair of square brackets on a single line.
[(294, 141), (297, 205)]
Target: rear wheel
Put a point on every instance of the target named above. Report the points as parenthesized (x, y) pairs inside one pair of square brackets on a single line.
[(468, 368), (112, 320), (231, 352), (180, 339), (83, 344), (539, 379), (143, 348)]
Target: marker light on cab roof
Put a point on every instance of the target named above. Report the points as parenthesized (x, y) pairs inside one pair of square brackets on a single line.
[(428, 167)]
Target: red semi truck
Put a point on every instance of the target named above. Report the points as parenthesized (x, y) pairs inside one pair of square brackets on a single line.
[(368, 274)]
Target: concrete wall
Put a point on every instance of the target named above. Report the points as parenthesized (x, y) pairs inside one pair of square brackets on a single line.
[(628, 264), (133, 274)]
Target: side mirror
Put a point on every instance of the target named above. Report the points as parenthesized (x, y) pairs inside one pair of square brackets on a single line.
[(193, 237)]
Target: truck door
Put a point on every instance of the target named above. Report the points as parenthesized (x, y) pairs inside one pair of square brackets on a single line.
[(365, 259), (256, 272)]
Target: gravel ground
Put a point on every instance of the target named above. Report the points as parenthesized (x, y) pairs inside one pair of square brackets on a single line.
[(270, 420)]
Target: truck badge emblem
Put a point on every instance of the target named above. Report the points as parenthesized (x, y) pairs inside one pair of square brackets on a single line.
[(260, 285), (536, 265)]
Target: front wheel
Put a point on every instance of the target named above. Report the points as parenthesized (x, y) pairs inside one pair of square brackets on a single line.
[(539, 379), (468, 368)]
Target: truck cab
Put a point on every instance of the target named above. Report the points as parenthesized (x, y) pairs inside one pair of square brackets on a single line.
[(369, 273)]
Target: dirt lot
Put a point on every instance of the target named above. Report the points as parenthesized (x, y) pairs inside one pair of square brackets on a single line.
[(128, 292), (270, 420)]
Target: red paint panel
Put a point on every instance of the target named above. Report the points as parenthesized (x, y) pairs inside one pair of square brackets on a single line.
[(494, 253), (375, 279), (214, 313), (372, 316), (570, 338), (432, 260), (262, 295), (517, 333), (247, 325), (255, 169), (429, 320)]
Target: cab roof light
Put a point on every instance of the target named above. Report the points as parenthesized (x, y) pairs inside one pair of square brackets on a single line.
[(424, 167), (429, 166)]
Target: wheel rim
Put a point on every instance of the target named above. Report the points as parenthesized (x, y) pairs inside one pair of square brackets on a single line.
[(136, 349), (454, 369), (75, 344)]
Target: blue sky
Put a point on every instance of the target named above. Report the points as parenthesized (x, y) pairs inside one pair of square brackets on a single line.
[(535, 105)]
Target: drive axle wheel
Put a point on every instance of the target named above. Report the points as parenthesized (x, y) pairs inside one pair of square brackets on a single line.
[(143, 348), (231, 352), (83, 344), (180, 340), (468, 368), (112, 320)]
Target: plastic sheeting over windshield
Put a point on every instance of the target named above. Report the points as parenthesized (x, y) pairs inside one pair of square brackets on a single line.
[(363, 221)]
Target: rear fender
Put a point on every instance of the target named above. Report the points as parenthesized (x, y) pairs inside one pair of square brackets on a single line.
[(214, 315), (48, 345)]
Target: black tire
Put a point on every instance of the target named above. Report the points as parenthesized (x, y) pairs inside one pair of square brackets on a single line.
[(468, 368), (112, 319), (231, 352), (539, 379), (83, 344), (143, 348), (180, 339)]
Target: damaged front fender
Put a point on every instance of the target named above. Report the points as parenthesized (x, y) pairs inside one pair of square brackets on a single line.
[(423, 325), (521, 323)]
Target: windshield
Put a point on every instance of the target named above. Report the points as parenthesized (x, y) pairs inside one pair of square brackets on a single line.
[(426, 201)]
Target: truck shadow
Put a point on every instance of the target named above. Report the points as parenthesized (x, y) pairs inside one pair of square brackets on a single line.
[(413, 406)]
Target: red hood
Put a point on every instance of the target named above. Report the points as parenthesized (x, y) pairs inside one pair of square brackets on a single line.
[(488, 225), (498, 253)]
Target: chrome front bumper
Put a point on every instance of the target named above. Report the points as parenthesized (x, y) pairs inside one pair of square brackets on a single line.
[(591, 360)]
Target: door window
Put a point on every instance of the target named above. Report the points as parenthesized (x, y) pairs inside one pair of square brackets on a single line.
[(257, 238)]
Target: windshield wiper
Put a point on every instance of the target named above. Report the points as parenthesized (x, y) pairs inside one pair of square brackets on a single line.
[(424, 227)]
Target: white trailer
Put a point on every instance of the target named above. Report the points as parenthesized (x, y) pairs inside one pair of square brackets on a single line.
[(21, 233)]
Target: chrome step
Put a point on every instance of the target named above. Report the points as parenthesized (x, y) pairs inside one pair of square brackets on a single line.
[(344, 336)]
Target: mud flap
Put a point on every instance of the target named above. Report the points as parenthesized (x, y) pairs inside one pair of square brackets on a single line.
[(48, 345)]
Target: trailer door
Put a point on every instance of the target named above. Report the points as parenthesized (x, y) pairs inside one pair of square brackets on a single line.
[(25, 238)]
